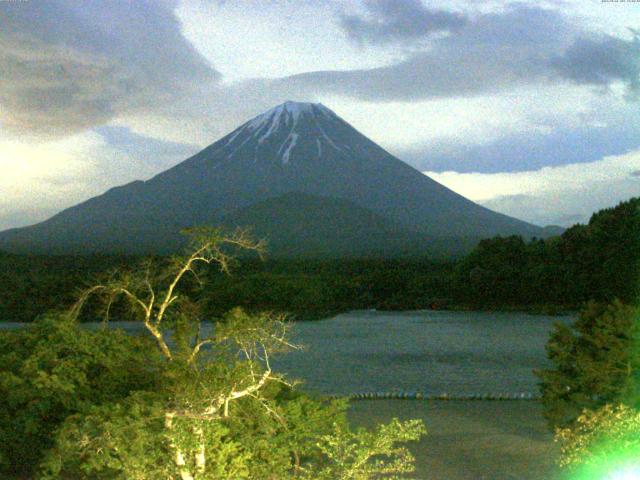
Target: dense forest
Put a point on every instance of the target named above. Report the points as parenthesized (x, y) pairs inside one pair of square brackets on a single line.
[(598, 261)]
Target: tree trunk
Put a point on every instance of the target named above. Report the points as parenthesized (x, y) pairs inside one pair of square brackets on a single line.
[(200, 455), (179, 459)]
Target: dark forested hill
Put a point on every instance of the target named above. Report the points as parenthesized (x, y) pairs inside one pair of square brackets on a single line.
[(598, 261)]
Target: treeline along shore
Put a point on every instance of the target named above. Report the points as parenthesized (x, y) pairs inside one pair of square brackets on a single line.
[(598, 261)]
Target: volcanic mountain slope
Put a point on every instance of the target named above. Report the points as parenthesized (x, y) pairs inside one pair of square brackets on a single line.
[(301, 152)]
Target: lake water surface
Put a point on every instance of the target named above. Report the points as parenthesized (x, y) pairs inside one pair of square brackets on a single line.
[(431, 352)]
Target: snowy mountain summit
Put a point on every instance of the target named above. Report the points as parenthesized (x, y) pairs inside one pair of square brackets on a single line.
[(300, 175), (291, 131), (289, 111), (284, 125)]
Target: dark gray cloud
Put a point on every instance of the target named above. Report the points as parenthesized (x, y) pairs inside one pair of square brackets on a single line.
[(68, 65), (522, 45), (489, 54), (602, 60), (635, 173), (398, 20)]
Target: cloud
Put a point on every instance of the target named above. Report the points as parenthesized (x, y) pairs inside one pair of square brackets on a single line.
[(601, 61), (38, 180), (151, 155), (551, 195), (488, 54), (497, 88), (69, 65), (530, 149), (477, 84), (398, 20), (42, 178), (571, 219), (493, 52)]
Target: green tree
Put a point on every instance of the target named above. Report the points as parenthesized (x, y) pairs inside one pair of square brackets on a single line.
[(601, 443), (493, 273), (595, 361), (53, 369), (362, 455), (220, 411)]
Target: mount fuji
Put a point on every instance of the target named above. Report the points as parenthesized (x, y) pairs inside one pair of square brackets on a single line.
[(297, 174)]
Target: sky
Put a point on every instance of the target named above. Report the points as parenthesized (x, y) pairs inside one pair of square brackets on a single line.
[(529, 108)]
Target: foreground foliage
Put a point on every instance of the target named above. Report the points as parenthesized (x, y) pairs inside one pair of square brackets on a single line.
[(601, 442), (595, 361), (185, 402), (364, 455), (55, 369)]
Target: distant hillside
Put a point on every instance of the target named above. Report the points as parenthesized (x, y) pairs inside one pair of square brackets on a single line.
[(302, 225), (599, 261), (552, 231)]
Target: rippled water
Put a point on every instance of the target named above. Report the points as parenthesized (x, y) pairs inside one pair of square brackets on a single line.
[(457, 353)]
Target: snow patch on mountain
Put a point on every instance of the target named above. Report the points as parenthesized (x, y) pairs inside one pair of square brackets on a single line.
[(268, 131), (326, 137), (282, 121), (292, 140), (282, 113)]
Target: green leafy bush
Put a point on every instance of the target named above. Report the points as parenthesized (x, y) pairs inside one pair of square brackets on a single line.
[(601, 443), (54, 369), (595, 361)]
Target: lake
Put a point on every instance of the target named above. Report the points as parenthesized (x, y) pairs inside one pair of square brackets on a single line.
[(431, 352)]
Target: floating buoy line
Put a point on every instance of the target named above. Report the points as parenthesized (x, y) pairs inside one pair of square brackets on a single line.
[(440, 396)]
